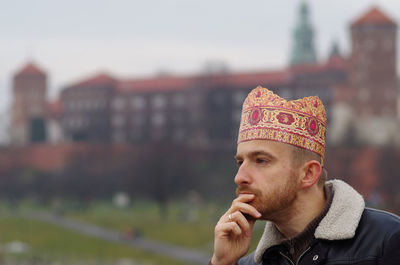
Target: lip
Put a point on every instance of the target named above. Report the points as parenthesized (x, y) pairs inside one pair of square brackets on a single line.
[(245, 193)]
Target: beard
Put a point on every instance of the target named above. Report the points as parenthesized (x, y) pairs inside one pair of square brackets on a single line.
[(277, 203)]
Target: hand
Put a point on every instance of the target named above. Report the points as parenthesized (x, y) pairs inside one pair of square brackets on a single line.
[(233, 231)]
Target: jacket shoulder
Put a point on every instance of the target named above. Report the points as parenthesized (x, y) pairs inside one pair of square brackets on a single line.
[(378, 230), (381, 221), (386, 225)]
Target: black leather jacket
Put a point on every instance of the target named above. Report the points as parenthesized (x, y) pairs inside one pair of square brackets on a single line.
[(376, 242)]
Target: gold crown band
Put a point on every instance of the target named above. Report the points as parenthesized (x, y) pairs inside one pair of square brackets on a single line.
[(266, 116)]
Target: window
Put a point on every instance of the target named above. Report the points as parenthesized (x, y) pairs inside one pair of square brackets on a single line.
[(179, 100), (96, 104), (138, 102), (158, 119), (75, 122), (158, 101), (118, 120), (138, 120), (118, 103)]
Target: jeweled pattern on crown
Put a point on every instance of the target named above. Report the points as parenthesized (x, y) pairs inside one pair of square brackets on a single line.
[(283, 120), (300, 122), (262, 97)]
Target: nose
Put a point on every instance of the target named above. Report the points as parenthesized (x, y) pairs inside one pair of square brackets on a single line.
[(243, 176)]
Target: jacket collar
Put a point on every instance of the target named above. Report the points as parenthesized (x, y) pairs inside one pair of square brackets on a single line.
[(339, 223)]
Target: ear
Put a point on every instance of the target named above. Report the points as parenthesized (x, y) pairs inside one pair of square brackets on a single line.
[(311, 171)]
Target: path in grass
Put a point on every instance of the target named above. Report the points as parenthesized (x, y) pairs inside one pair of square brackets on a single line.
[(175, 252)]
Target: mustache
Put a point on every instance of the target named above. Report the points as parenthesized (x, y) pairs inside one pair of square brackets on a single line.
[(245, 189)]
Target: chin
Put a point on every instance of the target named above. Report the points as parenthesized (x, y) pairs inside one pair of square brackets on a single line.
[(257, 205)]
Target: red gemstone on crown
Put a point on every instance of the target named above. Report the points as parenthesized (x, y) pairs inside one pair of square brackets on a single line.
[(312, 126), (255, 116)]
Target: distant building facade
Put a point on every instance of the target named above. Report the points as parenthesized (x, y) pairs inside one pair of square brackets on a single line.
[(29, 106), (367, 104), (204, 110), (86, 109)]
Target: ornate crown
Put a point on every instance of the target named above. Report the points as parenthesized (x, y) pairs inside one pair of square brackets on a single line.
[(266, 116)]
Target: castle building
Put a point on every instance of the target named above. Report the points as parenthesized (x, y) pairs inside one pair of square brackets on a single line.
[(303, 50), (29, 106), (373, 65), (366, 106), (86, 109), (204, 110)]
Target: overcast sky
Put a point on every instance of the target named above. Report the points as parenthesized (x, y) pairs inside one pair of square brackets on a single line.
[(129, 38)]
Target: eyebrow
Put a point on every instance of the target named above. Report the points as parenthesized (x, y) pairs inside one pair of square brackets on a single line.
[(255, 153)]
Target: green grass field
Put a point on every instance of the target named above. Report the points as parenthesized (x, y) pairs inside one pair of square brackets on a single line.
[(190, 227), (174, 228), (49, 243)]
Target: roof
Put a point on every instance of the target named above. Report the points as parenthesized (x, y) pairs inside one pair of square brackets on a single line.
[(374, 16), (30, 69), (335, 62), (176, 83), (172, 83), (96, 80), (264, 78), (162, 83)]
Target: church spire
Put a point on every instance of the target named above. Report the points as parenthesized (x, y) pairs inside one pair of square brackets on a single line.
[(303, 39)]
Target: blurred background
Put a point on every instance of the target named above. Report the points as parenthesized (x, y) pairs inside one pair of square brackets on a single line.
[(118, 120)]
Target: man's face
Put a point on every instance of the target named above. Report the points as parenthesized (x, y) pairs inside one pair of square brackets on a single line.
[(265, 170)]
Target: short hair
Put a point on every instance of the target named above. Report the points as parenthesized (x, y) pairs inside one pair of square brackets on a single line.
[(301, 156)]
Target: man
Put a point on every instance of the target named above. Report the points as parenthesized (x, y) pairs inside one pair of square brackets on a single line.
[(281, 179)]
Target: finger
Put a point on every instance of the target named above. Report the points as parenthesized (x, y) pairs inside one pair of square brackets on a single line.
[(244, 208), (244, 198), (243, 223), (229, 228)]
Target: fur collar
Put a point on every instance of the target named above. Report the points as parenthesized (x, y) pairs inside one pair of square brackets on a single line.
[(339, 223)]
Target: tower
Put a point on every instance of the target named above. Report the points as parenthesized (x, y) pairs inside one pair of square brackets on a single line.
[(373, 65), (28, 106), (303, 51)]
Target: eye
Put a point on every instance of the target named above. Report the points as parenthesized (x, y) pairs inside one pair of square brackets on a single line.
[(261, 161), (239, 163)]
